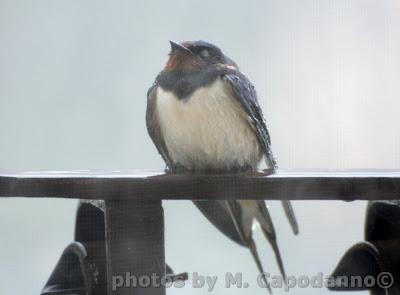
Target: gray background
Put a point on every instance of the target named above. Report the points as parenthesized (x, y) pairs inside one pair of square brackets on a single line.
[(73, 82)]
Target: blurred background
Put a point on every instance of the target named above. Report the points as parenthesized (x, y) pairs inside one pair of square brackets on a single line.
[(73, 82)]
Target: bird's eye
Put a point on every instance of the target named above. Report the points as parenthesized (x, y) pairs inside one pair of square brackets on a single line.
[(205, 53)]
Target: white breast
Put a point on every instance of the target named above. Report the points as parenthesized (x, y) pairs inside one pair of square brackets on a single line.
[(208, 130)]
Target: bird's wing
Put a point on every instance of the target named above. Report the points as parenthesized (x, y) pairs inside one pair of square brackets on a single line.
[(217, 213), (289, 212), (244, 92), (153, 126)]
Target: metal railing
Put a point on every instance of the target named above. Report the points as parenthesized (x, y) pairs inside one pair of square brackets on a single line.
[(130, 225)]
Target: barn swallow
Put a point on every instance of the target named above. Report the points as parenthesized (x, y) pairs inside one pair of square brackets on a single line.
[(203, 115)]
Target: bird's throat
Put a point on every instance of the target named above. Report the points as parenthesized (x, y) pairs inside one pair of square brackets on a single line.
[(183, 83)]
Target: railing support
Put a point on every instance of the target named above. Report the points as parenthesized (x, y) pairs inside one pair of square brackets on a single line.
[(135, 247)]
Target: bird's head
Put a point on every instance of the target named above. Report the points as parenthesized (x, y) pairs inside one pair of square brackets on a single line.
[(192, 55)]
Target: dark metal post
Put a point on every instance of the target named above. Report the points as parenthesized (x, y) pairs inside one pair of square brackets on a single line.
[(135, 247)]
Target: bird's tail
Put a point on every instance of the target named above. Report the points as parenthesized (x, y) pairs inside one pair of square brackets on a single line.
[(264, 219), (245, 231), (236, 218), (256, 257)]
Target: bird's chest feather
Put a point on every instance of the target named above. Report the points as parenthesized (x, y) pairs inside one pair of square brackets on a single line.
[(208, 130)]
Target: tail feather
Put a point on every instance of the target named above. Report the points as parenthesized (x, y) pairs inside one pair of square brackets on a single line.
[(242, 215), (254, 253), (231, 206), (287, 206), (265, 221)]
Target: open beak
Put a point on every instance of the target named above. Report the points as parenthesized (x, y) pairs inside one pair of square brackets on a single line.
[(175, 46)]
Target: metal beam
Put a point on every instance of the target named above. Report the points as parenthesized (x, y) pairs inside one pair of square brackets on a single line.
[(135, 247), (285, 185)]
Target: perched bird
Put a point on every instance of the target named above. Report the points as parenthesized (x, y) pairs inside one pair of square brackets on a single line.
[(203, 115)]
